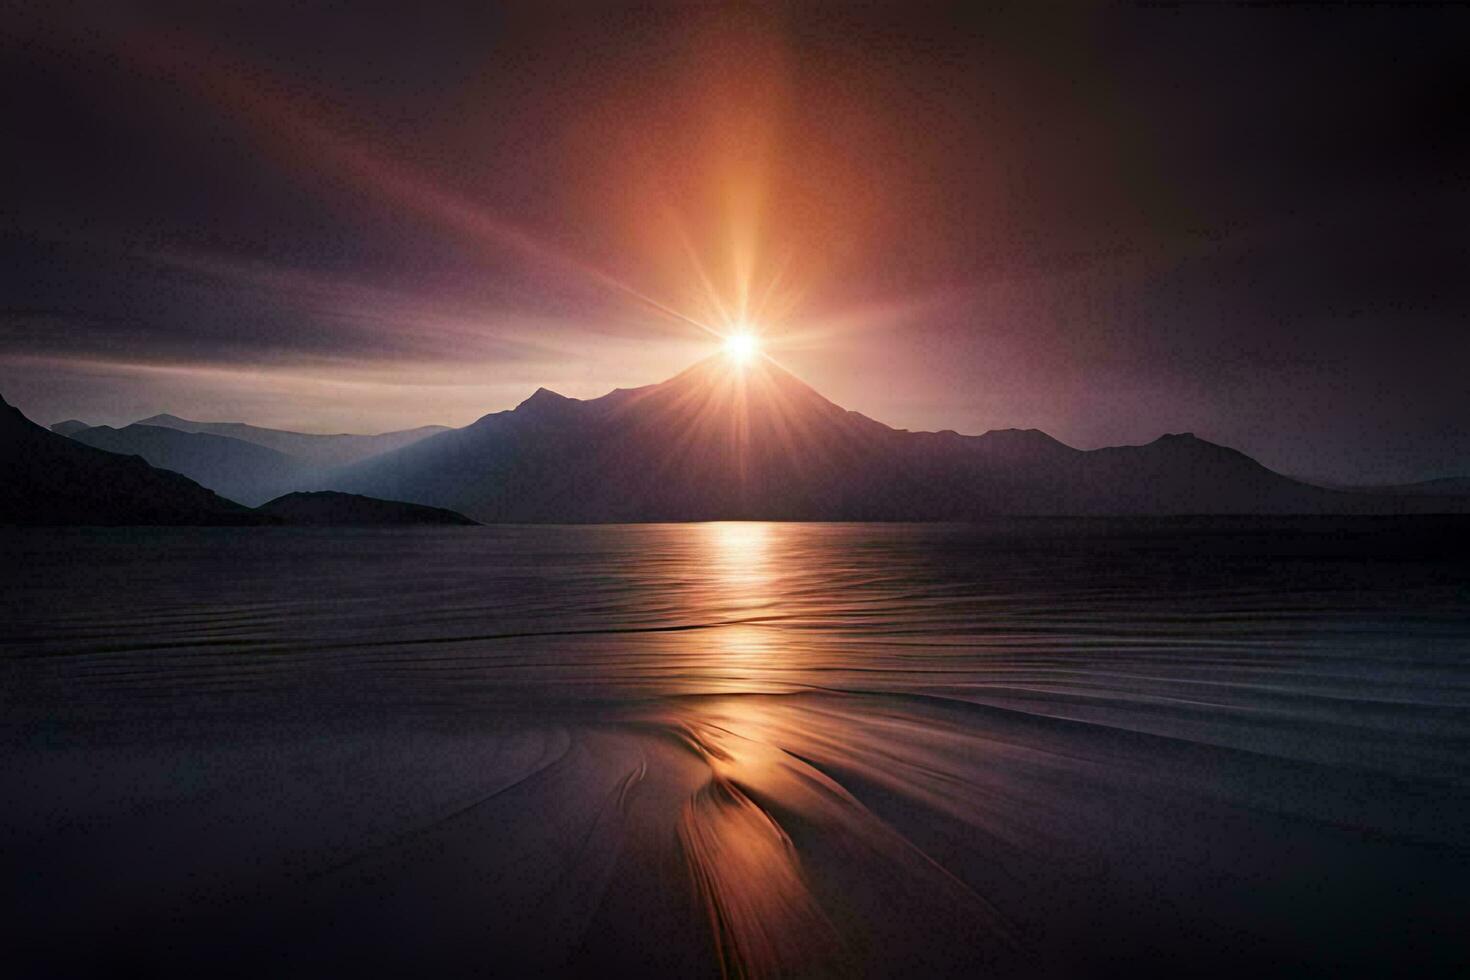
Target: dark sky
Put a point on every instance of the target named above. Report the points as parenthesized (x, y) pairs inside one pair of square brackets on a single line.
[(1251, 223)]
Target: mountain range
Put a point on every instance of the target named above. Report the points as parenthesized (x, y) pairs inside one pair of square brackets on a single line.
[(242, 471), (50, 479), (722, 441), (245, 463), (47, 478)]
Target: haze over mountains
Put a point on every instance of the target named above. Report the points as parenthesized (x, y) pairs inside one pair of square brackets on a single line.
[(49, 479), (245, 463), (726, 442), (321, 450), (242, 471)]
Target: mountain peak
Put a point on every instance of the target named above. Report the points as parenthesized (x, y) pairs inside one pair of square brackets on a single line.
[(544, 397), (1187, 441), (1015, 435), (1020, 442), (762, 382)]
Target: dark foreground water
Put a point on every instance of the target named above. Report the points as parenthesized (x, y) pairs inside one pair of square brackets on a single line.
[(1071, 748)]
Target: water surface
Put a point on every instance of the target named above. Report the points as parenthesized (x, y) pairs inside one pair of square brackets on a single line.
[(1031, 747)]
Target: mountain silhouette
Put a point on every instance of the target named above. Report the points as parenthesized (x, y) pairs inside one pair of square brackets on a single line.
[(50, 479), (721, 442), (242, 471), (716, 442), (329, 508), (69, 427), (321, 450)]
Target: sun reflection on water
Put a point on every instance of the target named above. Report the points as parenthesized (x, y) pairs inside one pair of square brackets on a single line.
[(740, 559), (743, 651)]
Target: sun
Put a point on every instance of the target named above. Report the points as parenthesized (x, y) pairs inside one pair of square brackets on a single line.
[(742, 348)]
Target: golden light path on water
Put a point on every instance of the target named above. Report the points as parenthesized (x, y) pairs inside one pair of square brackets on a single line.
[(740, 565), (743, 863), (747, 869)]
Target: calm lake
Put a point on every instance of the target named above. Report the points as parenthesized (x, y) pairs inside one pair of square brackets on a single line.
[(1035, 747)]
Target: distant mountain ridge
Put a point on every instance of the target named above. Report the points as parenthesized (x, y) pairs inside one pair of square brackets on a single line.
[(718, 442), (50, 479), (47, 478), (243, 471), (321, 450)]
